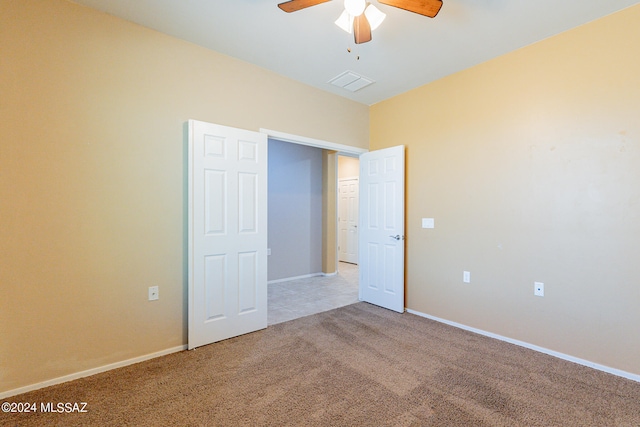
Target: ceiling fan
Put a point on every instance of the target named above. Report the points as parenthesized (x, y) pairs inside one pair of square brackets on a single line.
[(361, 17)]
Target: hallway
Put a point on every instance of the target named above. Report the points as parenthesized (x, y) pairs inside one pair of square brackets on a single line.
[(299, 298)]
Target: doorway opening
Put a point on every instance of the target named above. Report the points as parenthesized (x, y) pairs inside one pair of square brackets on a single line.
[(228, 232), (301, 213)]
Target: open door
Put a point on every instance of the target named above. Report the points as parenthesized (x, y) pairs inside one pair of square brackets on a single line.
[(382, 228), (227, 232)]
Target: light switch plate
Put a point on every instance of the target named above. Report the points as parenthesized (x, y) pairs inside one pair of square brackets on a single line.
[(428, 223)]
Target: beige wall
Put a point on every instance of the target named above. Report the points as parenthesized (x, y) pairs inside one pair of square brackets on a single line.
[(329, 210), (530, 165), (92, 178), (348, 167)]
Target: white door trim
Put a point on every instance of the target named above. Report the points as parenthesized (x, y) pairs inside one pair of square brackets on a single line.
[(318, 143)]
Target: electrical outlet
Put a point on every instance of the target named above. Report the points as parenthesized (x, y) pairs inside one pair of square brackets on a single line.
[(538, 289), (153, 293), (466, 277)]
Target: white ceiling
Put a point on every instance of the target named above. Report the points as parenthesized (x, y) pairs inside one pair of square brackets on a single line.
[(407, 51)]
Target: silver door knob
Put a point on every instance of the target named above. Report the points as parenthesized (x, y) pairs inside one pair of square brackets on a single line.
[(397, 237)]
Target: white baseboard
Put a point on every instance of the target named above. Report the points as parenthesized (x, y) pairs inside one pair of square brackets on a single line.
[(607, 369), (288, 279), (89, 372), (93, 371)]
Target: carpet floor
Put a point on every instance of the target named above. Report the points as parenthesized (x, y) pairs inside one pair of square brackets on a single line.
[(358, 365)]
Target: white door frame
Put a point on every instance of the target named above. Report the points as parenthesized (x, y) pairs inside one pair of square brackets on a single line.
[(342, 150), (347, 150)]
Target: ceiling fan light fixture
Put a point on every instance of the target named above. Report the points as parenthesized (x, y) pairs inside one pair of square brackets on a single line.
[(345, 21), (355, 7), (375, 16)]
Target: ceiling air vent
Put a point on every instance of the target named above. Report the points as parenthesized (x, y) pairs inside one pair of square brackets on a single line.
[(350, 81)]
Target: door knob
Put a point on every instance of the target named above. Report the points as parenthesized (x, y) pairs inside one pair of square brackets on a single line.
[(397, 237)]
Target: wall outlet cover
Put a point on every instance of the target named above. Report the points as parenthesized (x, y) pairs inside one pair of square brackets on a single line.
[(153, 293), (428, 223), (538, 289)]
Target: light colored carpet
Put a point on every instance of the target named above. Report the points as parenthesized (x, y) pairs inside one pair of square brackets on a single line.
[(358, 365)]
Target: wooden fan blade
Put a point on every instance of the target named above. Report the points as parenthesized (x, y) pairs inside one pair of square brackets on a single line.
[(294, 5), (428, 8), (361, 29)]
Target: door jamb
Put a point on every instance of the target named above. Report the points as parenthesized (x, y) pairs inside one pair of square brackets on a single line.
[(342, 149)]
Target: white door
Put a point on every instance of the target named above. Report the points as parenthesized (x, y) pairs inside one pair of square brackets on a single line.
[(348, 220), (382, 228), (227, 232)]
